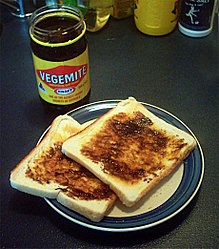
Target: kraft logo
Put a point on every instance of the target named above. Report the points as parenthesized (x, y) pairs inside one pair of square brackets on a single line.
[(64, 91), (63, 76)]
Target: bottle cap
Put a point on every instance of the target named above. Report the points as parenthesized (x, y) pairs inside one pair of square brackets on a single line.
[(194, 33)]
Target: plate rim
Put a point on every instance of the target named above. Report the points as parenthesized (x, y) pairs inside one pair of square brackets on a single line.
[(146, 226)]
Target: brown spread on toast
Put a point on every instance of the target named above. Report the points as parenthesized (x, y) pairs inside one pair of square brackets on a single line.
[(53, 166), (132, 148)]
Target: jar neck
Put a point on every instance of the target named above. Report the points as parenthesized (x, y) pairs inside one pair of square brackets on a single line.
[(57, 25)]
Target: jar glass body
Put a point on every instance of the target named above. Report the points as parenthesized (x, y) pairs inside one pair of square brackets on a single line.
[(60, 55)]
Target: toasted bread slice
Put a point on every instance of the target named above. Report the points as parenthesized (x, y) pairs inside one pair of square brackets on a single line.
[(46, 172), (130, 149)]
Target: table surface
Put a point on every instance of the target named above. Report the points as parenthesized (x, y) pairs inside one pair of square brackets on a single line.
[(174, 72)]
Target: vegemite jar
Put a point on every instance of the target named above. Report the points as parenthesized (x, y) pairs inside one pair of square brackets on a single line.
[(60, 56)]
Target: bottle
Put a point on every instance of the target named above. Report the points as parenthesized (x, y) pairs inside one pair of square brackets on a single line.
[(98, 14), (81, 4), (51, 2), (122, 8), (60, 56), (196, 17), (156, 17)]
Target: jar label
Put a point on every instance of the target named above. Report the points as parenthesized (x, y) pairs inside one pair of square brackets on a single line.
[(63, 83)]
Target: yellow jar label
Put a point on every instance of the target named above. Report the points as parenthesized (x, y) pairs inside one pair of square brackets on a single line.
[(63, 83)]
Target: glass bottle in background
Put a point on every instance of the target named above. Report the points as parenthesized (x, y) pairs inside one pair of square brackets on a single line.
[(122, 8), (98, 14), (156, 17), (80, 4), (52, 2), (196, 17)]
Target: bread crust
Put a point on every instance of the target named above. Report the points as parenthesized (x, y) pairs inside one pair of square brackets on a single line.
[(133, 183), (61, 128)]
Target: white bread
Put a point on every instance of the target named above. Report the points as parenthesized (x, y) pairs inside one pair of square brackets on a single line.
[(21, 179), (130, 149)]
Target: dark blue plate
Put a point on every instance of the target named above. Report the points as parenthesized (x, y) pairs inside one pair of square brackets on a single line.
[(191, 180)]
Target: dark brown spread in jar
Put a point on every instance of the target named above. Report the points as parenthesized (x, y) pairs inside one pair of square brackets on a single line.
[(52, 166), (60, 25), (132, 148), (60, 55)]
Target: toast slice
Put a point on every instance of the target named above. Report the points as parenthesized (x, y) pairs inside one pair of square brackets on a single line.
[(46, 172), (130, 149)]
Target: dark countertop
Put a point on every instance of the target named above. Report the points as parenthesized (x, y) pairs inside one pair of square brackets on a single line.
[(174, 72)]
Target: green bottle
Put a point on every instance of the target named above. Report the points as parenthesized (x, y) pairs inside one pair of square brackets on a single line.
[(80, 4)]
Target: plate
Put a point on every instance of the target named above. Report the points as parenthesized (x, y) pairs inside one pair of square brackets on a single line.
[(169, 198)]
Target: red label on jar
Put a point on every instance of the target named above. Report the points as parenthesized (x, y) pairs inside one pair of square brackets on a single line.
[(63, 76)]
